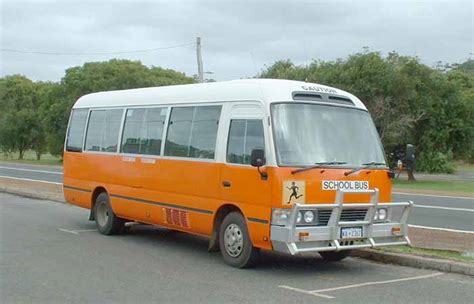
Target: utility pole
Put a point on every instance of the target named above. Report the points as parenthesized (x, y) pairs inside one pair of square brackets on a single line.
[(199, 59)]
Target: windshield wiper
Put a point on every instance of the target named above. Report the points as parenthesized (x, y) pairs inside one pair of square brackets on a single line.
[(364, 166), (318, 165)]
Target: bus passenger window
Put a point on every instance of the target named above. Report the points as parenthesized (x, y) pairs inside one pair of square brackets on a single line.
[(152, 131), (76, 130), (192, 132), (143, 131), (113, 118), (244, 136), (103, 130), (204, 134), (132, 130)]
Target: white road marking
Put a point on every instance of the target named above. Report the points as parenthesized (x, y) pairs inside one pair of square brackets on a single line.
[(68, 231), (444, 208), (431, 195), (318, 292), (76, 231), (379, 282), (31, 180), (31, 170), (306, 292), (441, 229)]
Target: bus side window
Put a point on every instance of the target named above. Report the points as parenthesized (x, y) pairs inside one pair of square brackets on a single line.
[(244, 136), (103, 130), (143, 130), (192, 132), (75, 135)]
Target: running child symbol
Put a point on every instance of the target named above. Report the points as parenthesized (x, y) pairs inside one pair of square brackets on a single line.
[(294, 192)]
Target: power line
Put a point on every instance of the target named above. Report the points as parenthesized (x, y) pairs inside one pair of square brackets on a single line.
[(97, 53)]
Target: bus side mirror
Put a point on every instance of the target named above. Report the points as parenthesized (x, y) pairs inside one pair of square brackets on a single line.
[(257, 159)]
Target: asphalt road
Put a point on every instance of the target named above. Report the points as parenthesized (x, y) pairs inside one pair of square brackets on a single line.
[(430, 210), (51, 253)]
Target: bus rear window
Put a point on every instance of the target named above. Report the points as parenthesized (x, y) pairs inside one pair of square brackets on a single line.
[(76, 130)]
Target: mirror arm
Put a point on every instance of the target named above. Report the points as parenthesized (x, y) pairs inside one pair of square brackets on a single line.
[(263, 174)]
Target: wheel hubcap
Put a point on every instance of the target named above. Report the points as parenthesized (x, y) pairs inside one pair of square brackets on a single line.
[(233, 240), (102, 214)]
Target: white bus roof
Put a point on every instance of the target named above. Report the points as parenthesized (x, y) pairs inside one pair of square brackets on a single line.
[(264, 90)]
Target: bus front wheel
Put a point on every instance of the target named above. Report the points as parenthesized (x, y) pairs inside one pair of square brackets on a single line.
[(105, 219), (234, 242)]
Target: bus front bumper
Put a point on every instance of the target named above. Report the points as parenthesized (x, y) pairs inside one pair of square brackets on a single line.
[(346, 226)]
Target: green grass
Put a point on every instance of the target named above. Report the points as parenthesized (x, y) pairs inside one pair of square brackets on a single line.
[(454, 186), (30, 158), (436, 253)]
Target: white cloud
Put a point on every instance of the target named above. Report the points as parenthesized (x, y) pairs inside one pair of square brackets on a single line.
[(239, 37)]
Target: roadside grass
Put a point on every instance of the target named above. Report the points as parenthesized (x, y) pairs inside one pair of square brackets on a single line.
[(435, 253), (453, 186), (30, 158)]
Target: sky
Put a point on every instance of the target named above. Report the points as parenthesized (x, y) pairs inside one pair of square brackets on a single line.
[(239, 38)]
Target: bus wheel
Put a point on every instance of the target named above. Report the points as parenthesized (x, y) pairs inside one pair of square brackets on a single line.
[(234, 241), (105, 219), (334, 256)]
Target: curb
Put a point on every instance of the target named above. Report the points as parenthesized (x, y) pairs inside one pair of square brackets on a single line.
[(415, 261), (38, 195)]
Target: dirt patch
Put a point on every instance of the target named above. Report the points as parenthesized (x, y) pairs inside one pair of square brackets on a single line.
[(436, 239), (33, 189)]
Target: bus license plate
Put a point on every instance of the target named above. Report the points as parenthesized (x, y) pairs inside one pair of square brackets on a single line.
[(351, 232)]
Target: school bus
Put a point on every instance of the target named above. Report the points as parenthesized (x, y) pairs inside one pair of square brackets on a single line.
[(253, 165)]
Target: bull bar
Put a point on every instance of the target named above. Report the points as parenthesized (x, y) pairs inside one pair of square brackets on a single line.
[(288, 238)]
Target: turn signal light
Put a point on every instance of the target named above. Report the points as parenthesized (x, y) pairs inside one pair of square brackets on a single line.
[(396, 230), (303, 235)]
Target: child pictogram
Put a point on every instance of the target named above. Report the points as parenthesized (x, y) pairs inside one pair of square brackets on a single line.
[(293, 192)]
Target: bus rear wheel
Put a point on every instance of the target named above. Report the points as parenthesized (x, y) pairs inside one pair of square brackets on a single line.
[(334, 256), (234, 242), (105, 219)]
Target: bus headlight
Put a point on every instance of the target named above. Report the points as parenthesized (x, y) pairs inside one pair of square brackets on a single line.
[(308, 217), (381, 215), (280, 217), (299, 217)]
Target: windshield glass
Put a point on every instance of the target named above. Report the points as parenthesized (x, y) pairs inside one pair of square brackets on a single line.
[(306, 134)]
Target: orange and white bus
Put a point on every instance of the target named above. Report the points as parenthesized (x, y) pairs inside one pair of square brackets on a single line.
[(252, 164)]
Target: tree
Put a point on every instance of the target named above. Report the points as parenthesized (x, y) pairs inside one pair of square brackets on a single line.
[(95, 77), (18, 119), (410, 102)]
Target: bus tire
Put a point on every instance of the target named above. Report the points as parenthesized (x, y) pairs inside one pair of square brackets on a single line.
[(105, 219), (334, 256), (234, 241)]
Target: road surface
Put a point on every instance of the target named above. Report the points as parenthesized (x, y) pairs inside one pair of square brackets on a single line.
[(430, 210), (50, 253)]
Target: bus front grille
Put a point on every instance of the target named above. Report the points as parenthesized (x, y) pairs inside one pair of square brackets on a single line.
[(347, 215), (353, 215)]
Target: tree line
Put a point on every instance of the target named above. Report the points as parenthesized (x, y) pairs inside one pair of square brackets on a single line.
[(431, 108), (410, 102), (34, 115)]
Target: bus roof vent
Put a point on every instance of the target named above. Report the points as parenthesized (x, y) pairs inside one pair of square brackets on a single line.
[(341, 100), (307, 97)]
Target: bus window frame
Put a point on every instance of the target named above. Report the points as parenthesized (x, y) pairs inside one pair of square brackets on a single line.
[(207, 160), (87, 128), (122, 127)]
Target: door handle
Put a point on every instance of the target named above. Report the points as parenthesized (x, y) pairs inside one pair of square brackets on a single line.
[(226, 184)]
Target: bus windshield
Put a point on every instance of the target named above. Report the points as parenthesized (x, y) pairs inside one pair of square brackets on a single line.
[(307, 134)]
